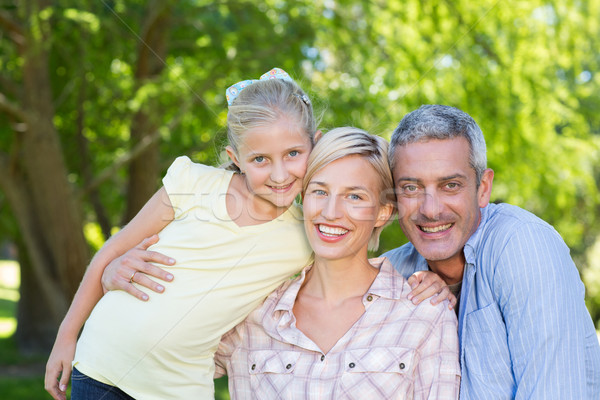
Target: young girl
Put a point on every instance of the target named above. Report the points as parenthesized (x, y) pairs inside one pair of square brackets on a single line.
[(235, 235)]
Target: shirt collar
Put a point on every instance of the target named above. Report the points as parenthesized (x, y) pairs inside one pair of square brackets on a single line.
[(472, 244), (290, 291), (388, 283)]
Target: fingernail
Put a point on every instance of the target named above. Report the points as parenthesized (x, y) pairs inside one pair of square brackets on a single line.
[(410, 296), (160, 288), (169, 277), (171, 261), (145, 297), (62, 387), (415, 302)]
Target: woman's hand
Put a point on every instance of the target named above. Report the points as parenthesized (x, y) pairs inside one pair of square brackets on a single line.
[(426, 284), (135, 266), (59, 366)]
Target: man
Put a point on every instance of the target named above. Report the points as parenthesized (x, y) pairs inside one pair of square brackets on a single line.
[(523, 327)]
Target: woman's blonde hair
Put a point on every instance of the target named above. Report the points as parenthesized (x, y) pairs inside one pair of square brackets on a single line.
[(348, 141), (265, 102)]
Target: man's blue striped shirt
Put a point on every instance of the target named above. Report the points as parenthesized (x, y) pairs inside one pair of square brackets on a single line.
[(523, 326)]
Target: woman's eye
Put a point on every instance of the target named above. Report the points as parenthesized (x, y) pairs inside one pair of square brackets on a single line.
[(319, 192), (354, 197), (294, 153), (259, 159)]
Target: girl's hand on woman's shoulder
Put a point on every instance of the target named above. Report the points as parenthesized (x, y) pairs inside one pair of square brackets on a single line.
[(426, 284), (135, 267)]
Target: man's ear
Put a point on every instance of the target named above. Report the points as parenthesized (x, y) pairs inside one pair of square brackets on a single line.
[(232, 156), (485, 187), (318, 135)]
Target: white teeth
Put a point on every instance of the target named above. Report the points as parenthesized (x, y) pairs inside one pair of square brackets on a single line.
[(435, 228), (331, 231), (281, 187)]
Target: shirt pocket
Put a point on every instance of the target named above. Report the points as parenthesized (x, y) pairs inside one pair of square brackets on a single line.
[(380, 372), (271, 372), (486, 345)]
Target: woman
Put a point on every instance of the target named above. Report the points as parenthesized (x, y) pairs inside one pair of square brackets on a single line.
[(344, 328)]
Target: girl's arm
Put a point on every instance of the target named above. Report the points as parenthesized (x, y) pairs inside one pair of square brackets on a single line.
[(152, 218)]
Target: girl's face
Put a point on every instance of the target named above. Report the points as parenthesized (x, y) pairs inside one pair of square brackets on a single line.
[(273, 158), (342, 208)]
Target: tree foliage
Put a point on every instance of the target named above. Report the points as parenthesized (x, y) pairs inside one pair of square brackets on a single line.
[(116, 89)]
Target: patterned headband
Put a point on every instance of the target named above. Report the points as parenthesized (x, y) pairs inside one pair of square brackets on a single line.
[(234, 90)]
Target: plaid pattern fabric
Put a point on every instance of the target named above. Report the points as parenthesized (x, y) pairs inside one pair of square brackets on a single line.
[(396, 350)]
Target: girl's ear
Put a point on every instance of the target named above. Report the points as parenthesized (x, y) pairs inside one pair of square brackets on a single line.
[(318, 135), (232, 156)]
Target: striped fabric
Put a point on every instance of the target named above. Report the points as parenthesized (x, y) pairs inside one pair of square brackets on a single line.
[(524, 330), (394, 351)]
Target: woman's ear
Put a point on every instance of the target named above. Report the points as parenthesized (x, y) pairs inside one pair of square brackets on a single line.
[(384, 215), (232, 156)]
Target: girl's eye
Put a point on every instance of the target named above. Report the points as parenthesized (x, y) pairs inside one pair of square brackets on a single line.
[(294, 153), (354, 197), (319, 192), (259, 159)]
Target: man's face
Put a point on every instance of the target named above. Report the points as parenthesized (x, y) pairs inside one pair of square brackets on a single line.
[(438, 199)]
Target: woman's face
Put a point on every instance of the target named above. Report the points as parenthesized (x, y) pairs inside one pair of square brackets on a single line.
[(342, 207)]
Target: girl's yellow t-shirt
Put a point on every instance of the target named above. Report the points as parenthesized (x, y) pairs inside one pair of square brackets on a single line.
[(163, 348)]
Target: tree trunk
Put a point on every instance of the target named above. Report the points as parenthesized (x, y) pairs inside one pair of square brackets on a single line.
[(41, 198), (144, 170)]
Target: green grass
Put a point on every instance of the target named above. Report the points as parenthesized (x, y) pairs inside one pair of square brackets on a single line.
[(20, 377), (23, 388)]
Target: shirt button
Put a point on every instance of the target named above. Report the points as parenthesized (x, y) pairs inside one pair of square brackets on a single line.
[(369, 298), (402, 366), (288, 366), (352, 365), (253, 367), (322, 358)]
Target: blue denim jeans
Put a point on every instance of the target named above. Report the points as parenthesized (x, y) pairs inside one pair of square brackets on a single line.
[(85, 388)]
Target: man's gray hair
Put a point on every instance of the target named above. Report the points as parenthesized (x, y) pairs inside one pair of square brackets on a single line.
[(431, 122)]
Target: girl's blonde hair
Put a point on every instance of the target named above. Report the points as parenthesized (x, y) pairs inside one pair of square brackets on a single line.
[(348, 141), (265, 102)]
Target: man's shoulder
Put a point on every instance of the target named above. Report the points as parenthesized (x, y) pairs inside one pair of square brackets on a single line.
[(404, 253), (504, 216), (510, 232), (405, 259)]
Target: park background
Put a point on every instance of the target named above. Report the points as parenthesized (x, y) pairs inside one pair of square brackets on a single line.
[(98, 97)]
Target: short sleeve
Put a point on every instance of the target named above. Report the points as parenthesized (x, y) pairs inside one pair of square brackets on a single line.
[(186, 182), (229, 343)]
